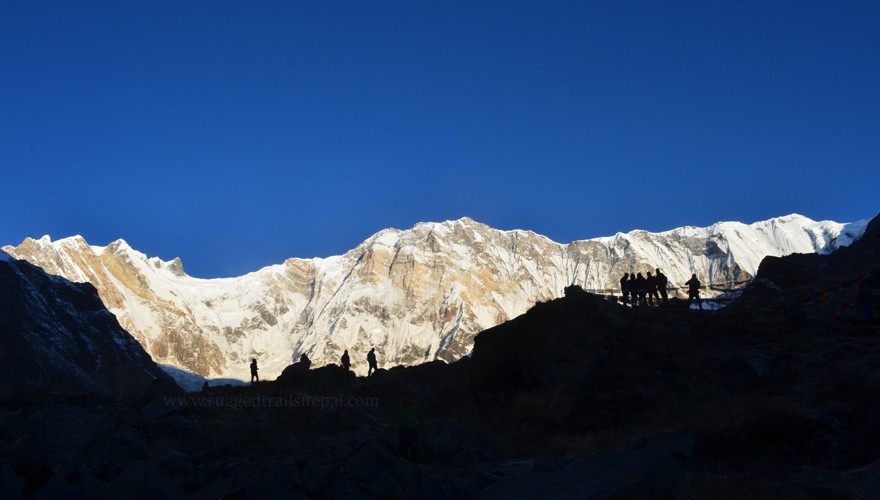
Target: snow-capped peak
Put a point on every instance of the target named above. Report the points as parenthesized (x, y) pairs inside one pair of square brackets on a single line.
[(417, 295)]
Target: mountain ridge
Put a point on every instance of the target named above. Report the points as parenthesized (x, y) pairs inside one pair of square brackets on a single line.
[(857, 226), (47, 239), (417, 295), (579, 396), (59, 339)]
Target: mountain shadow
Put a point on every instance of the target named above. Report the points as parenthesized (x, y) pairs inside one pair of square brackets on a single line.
[(775, 396), (58, 339)]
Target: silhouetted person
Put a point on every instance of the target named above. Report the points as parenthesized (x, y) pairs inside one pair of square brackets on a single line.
[(371, 360), (631, 288), (305, 361), (205, 386), (346, 361), (651, 288), (693, 285), (639, 290), (254, 370), (661, 280), (624, 288), (409, 422)]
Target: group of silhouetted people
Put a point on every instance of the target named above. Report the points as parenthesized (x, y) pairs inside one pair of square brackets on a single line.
[(345, 360), (637, 290), (644, 290), (306, 362), (407, 415)]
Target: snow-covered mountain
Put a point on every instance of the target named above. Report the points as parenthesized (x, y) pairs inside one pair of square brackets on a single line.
[(416, 295), (57, 338)]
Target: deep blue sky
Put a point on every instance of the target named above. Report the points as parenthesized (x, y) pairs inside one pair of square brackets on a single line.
[(237, 134)]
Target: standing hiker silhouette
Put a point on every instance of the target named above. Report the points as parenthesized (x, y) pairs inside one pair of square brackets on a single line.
[(371, 360), (254, 370), (693, 285), (661, 281)]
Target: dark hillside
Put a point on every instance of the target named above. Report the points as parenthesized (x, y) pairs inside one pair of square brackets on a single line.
[(775, 396), (58, 339)]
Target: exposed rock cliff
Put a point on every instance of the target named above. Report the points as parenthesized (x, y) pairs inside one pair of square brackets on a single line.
[(416, 295)]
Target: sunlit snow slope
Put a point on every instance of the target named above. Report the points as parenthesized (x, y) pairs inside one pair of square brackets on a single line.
[(416, 295)]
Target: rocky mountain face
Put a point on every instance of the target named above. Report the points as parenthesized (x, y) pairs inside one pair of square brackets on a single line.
[(416, 295), (774, 396), (58, 339)]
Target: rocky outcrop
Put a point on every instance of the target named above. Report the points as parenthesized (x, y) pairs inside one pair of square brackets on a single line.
[(59, 339)]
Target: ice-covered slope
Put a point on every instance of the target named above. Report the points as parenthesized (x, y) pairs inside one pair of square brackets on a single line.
[(416, 295)]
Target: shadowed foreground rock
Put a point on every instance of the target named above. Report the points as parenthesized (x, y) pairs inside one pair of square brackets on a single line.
[(659, 470), (776, 396), (57, 338)]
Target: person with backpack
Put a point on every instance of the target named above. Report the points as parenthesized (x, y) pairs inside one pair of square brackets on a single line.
[(661, 281), (693, 285), (254, 370)]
